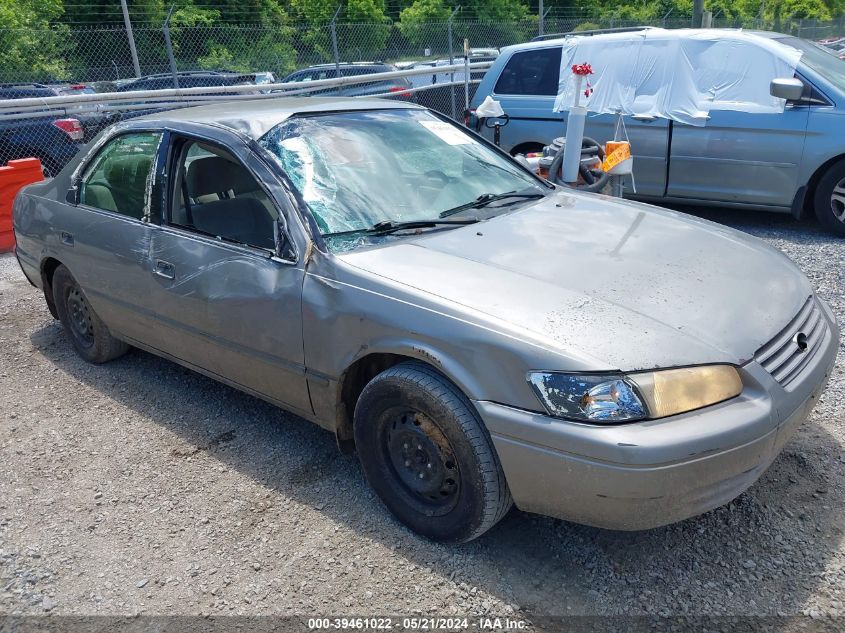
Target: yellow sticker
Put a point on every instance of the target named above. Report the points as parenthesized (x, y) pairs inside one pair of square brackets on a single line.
[(621, 153)]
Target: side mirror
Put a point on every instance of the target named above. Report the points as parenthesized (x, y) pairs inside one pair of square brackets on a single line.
[(284, 248), (72, 195), (791, 89)]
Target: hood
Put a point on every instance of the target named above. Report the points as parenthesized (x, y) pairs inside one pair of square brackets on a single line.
[(619, 284)]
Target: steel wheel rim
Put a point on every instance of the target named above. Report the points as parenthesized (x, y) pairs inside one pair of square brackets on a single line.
[(423, 461), (79, 315), (837, 201)]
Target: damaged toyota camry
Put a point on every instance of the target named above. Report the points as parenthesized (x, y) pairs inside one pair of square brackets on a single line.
[(479, 337)]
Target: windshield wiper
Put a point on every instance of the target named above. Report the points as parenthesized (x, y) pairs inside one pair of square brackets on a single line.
[(486, 198), (386, 227)]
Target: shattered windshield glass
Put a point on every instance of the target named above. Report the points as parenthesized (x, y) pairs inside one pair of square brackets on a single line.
[(358, 169)]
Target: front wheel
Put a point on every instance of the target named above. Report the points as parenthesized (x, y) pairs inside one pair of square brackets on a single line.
[(428, 456), (89, 335), (829, 200)]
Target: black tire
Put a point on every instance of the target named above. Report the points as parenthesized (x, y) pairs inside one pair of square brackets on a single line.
[(428, 456), (526, 148), (829, 199), (89, 335)]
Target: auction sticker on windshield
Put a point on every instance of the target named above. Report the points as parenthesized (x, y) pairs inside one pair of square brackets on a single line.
[(447, 132)]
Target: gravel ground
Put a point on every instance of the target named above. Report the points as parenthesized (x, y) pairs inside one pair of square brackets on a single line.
[(142, 487)]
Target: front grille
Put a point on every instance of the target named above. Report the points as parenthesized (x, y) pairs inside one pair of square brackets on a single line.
[(783, 357)]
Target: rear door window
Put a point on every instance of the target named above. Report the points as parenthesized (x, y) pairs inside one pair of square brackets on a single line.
[(119, 178), (532, 72)]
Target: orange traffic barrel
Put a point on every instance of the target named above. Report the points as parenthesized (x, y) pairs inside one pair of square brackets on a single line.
[(13, 176)]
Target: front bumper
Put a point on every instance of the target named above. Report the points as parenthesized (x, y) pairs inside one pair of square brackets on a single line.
[(644, 475)]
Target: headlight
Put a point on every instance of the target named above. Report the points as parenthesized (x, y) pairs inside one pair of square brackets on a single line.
[(610, 399)]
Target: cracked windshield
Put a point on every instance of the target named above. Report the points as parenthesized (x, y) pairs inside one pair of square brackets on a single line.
[(366, 174)]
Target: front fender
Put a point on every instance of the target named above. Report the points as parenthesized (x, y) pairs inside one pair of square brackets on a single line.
[(348, 315)]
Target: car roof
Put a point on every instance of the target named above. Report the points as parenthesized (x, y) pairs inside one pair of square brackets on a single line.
[(256, 117), (651, 31), (26, 91), (345, 65)]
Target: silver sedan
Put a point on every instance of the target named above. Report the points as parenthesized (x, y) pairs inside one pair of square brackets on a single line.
[(478, 336)]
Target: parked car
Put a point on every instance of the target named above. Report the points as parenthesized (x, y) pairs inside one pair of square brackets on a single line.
[(437, 76), (475, 333), (835, 46), (264, 77), (54, 140), (188, 79), (440, 95), (792, 162), (93, 116), (398, 85)]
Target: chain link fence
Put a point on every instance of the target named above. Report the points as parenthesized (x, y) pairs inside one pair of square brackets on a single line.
[(53, 125), (93, 54), (75, 62)]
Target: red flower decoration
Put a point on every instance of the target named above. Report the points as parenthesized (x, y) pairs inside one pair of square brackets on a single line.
[(582, 69)]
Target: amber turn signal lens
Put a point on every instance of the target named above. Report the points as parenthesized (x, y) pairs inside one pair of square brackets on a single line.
[(673, 391)]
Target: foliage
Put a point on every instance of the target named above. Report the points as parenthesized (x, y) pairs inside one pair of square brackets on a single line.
[(41, 50), (40, 39), (414, 21)]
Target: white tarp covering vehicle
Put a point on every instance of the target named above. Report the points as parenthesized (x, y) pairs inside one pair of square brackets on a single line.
[(678, 75)]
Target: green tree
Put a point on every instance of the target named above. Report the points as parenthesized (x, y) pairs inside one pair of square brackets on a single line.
[(415, 21), (367, 32), (30, 46)]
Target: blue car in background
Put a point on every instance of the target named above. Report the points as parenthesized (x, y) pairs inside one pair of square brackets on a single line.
[(53, 140), (793, 162)]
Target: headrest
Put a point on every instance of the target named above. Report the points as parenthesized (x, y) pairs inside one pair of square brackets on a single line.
[(215, 174), (128, 170)]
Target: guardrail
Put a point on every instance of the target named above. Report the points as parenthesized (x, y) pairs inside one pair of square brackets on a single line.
[(69, 105), (53, 129)]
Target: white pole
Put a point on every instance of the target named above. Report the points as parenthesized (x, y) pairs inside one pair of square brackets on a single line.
[(574, 136)]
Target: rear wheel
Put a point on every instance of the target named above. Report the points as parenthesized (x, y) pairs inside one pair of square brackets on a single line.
[(428, 456), (89, 335), (829, 200), (527, 148)]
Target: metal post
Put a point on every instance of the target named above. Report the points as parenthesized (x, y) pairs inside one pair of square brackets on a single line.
[(697, 13), (131, 37), (169, 46), (452, 59), (333, 28), (466, 78), (542, 17)]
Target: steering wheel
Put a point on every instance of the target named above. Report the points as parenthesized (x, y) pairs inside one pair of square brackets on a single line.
[(436, 174)]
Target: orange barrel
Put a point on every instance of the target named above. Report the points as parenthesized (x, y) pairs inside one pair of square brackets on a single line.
[(13, 176)]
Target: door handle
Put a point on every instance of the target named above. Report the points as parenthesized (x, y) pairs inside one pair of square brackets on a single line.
[(644, 118), (165, 269), (67, 238)]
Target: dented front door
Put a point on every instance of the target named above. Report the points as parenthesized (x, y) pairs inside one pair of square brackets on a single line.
[(232, 311)]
